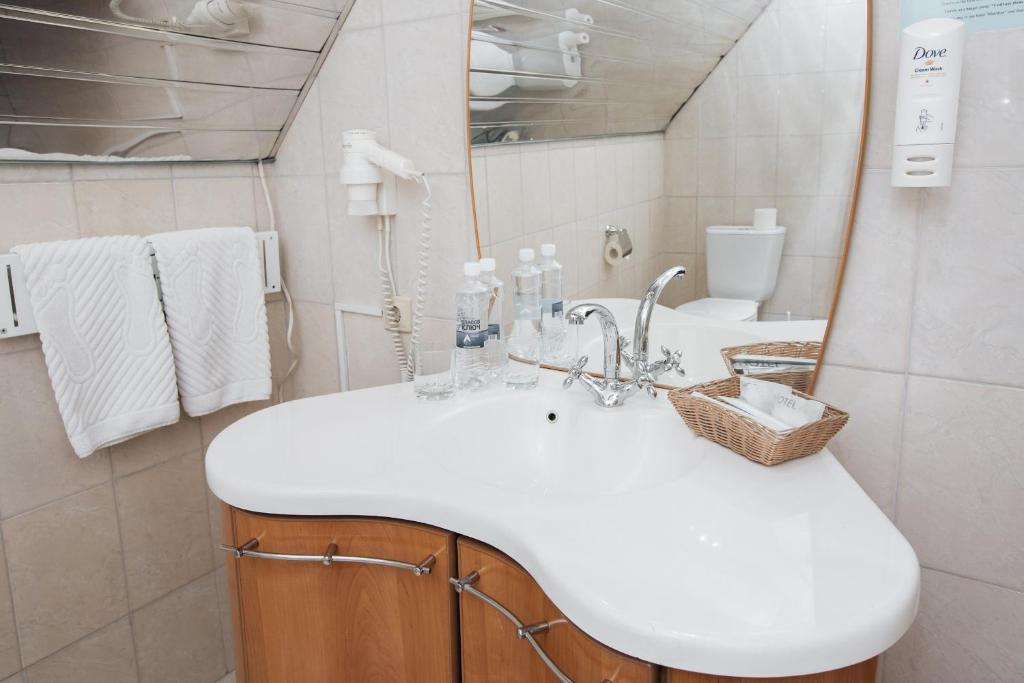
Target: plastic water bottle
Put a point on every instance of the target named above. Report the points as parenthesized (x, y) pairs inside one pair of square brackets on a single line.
[(523, 339), (496, 352), (471, 329), (489, 279), (553, 324)]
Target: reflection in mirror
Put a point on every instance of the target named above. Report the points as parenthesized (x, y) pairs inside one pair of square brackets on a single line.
[(749, 184), (174, 80)]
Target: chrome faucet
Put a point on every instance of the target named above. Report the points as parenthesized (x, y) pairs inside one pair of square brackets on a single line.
[(611, 391), (640, 362)]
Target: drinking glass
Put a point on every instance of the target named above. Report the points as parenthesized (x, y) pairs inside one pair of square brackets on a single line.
[(523, 369), (434, 373), (497, 358)]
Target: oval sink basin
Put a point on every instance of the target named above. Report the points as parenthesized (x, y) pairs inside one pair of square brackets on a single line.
[(557, 442)]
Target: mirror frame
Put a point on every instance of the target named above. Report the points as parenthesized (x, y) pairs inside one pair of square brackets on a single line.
[(847, 238)]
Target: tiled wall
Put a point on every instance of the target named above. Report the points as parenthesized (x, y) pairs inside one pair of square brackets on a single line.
[(108, 570), (926, 355), (566, 193), (777, 124)]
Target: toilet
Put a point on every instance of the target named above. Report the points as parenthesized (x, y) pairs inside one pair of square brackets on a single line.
[(743, 266)]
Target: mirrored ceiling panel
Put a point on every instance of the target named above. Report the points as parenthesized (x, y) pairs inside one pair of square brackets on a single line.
[(548, 69), (135, 80)]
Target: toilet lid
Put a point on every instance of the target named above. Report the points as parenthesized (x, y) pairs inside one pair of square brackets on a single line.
[(721, 309)]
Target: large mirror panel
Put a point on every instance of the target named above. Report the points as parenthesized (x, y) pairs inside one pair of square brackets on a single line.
[(174, 80), (771, 126)]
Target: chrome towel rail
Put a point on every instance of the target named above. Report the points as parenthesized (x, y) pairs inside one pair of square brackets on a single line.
[(328, 558), (523, 631)]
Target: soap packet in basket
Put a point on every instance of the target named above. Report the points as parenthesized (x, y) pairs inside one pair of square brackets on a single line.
[(766, 422)]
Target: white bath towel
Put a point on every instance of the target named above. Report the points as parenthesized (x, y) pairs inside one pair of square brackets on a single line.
[(104, 337), (213, 300)]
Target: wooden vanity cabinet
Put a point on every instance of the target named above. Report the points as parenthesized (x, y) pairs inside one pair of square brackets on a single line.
[(347, 622), (492, 652), (299, 620)]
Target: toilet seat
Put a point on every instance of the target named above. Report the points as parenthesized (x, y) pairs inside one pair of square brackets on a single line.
[(721, 309)]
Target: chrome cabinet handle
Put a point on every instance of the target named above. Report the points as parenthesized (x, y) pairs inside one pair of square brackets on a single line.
[(328, 558), (524, 631)]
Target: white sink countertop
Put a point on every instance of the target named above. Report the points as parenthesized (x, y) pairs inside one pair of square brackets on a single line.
[(661, 545)]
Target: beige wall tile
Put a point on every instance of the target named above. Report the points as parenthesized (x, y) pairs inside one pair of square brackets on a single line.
[(125, 207), (873, 319), (36, 459), (10, 660), (961, 498), (155, 447), (14, 679), (965, 631), (165, 527), (224, 602), (426, 63), (301, 208), (317, 371), (302, 152), (968, 318), (55, 606), (371, 359), (214, 202), (178, 638), (106, 656), (869, 446), (36, 212), (409, 10)]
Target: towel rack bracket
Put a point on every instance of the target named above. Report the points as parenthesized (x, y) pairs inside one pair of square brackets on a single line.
[(16, 319)]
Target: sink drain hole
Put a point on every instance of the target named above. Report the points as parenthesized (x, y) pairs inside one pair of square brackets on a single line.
[(552, 417)]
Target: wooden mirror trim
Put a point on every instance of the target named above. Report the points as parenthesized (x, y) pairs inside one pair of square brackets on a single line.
[(851, 215)]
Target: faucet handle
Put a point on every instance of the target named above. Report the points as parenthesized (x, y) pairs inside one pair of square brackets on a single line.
[(575, 371), (672, 358), (646, 382)]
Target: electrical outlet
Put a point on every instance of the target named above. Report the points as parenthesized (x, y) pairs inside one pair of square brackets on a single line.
[(404, 306)]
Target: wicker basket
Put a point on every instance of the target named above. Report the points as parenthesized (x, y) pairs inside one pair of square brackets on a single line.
[(798, 379), (746, 436)]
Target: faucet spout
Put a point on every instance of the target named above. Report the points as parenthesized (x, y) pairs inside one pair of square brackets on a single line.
[(641, 333), (609, 331)]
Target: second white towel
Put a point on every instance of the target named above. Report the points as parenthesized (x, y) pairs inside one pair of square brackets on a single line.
[(216, 316)]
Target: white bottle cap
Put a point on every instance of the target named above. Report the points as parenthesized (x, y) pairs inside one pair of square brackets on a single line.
[(547, 250), (525, 255), (488, 265), (471, 269)]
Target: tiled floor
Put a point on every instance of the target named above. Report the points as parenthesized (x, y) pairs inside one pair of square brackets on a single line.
[(230, 678)]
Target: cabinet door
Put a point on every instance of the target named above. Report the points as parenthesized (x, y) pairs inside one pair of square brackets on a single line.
[(858, 673), (346, 622), (492, 651)]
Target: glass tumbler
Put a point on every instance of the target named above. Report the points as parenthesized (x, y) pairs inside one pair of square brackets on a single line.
[(434, 373), (523, 370)]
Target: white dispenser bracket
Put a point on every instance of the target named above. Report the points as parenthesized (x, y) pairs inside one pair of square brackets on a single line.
[(17, 320)]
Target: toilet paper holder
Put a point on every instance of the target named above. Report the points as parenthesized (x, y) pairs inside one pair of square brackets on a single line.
[(617, 244)]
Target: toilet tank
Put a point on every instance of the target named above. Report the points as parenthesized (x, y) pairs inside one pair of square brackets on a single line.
[(743, 263)]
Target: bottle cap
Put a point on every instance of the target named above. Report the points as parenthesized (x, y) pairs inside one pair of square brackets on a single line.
[(525, 255), (471, 269), (488, 265), (547, 250)]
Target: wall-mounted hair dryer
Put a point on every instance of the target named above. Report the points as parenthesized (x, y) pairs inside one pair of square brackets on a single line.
[(361, 171)]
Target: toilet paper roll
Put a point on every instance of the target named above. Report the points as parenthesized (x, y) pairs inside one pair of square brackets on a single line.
[(614, 252)]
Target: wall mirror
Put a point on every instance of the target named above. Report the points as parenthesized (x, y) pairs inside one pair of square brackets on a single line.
[(675, 121), (167, 80)]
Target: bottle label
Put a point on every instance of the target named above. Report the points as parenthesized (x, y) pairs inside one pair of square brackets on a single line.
[(494, 330), (470, 334), (554, 309)]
